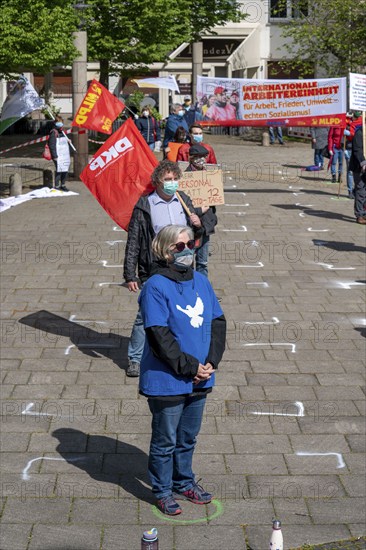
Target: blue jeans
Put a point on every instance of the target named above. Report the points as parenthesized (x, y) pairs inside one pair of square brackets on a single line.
[(202, 256), (152, 146), (272, 134), (318, 158), (175, 426), (347, 156), (137, 339), (337, 156)]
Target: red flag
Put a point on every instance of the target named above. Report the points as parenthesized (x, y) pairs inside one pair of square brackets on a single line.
[(119, 172), (98, 109)]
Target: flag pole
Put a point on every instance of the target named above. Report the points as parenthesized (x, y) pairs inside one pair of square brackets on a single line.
[(53, 118), (183, 204)]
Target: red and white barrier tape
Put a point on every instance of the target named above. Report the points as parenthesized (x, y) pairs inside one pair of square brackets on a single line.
[(38, 140)]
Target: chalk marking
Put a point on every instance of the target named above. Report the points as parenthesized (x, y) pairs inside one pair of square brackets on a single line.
[(303, 205), (116, 228), (246, 204), (237, 230), (234, 213), (259, 264), (340, 461), (105, 264), (300, 409), (302, 215), (296, 194), (264, 284), (96, 346), (274, 321), (112, 243), (317, 230), (293, 346), (73, 319), (25, 475), (28, 411), (348, 286), (331, 266), (104, 284)]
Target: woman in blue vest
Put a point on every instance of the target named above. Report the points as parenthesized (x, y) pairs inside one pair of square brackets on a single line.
[(185, 340)]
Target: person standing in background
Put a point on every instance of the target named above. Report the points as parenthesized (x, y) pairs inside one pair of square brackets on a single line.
[(60, 153), (335, 147), (319, 140), (149, 128), (174, 120)]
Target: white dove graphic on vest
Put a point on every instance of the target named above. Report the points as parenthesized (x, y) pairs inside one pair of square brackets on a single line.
[(195, 313)]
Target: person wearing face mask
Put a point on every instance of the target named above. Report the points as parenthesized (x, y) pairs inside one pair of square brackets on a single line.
[(149, 128), (192, 112), (174, 120), (196, 137), (185, 341), (60, 153), (197, 162), (150, 214)]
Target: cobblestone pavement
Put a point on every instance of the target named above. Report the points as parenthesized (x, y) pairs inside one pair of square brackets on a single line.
[(283, 432)]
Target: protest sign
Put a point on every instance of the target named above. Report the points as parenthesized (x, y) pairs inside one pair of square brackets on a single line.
[(250, 102), (357, 91), (205, 188)]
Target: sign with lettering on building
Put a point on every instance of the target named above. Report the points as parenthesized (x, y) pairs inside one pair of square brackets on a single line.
[(214, 48), (205, 188)]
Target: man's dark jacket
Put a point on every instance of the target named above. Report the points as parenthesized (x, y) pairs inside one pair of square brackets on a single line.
[(140, 235), (358, 154)]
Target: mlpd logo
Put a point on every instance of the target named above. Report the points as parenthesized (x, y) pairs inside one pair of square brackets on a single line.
[(120, 147)]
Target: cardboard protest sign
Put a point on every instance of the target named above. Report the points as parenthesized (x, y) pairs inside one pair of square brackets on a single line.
[(205, 188)]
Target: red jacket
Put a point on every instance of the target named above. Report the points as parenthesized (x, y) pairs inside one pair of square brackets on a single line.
[(335, 138), (183, 153)]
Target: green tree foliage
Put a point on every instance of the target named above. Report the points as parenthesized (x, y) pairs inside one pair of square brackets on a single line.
[(328, 38), (35, 35), (206, 14), (133, 33)]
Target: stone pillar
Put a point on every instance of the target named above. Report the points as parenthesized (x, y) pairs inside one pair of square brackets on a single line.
[(79, 89), (265, 139), (15, 184), (197, 65)]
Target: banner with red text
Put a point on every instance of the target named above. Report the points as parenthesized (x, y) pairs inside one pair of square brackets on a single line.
[(120, 171), (98, 109), (250, 102)]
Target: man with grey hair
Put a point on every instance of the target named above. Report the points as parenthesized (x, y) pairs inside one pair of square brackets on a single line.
[(150, 214), (174, 120)]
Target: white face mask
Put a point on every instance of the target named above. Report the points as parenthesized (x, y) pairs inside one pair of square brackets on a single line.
[(145, 113), (181, 113)]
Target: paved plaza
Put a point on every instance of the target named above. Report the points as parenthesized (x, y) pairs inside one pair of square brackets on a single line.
[(283, 431)]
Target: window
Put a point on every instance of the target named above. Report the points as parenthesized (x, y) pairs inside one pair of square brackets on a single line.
[(288, 9)]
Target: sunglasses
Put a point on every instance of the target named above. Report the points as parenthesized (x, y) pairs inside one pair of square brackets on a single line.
[(181, 246)]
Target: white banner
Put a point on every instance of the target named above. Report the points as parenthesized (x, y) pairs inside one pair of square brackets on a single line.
[(250, 102), (357, 91), (167, 82), (22, 99)]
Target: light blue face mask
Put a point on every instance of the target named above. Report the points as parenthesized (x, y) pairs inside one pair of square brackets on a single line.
[(197, 138), (184, 258), (170, 187), (181, 112), (59, 124)]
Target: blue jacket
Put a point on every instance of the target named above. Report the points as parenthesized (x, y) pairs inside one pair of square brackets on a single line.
[(192, 115), (149, 129), (172, 124)]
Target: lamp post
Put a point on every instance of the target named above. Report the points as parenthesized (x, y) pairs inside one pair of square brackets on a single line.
[(79, 87)]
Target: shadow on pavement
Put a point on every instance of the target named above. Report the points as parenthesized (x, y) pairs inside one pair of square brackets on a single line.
[(88, 341), (317, 213), (106, 460)]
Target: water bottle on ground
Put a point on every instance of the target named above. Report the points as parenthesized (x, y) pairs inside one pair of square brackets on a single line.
[(276, 542), (150, 540)]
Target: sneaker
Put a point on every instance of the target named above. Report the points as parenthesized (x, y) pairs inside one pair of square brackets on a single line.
[(334, 178), (196, 494), (64, 188), (133, 368), (361, 220), (351, 195), (169, 506)]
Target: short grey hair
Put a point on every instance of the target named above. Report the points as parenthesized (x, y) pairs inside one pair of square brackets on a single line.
[(174, 107), (167, 237)]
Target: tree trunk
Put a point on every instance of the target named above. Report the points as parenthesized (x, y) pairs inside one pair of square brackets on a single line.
[(197, 65), (104, 72)]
